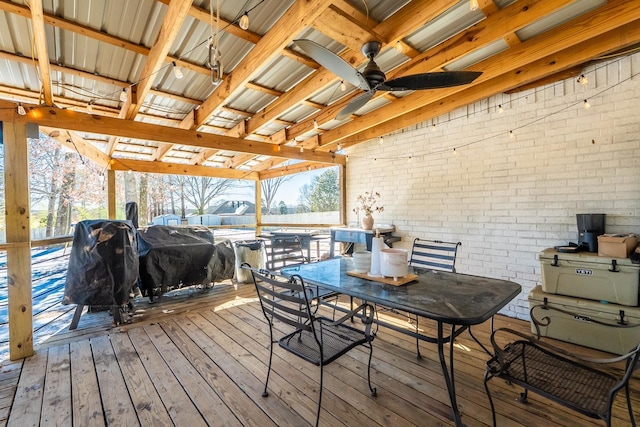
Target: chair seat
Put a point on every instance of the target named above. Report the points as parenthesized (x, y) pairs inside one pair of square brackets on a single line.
[(579, 387), (336, 340)]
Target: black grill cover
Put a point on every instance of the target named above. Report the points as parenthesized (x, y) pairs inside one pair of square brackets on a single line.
[(172, 255), (103, 265)]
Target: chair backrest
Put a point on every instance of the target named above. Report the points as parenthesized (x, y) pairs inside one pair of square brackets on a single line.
[(284, 252), (284, 300), (434, 255)]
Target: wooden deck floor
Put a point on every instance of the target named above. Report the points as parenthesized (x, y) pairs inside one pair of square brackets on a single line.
[(200, 359)]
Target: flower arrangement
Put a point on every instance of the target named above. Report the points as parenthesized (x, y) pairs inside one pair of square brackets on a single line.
[(366, 203)]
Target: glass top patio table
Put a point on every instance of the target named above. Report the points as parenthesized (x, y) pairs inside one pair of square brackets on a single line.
[(458, 300)]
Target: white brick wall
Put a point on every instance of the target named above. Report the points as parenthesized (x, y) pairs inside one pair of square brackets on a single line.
[(508, 199)]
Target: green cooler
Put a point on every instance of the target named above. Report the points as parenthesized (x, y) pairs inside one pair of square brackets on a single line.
[(587, 275), (576, 328)]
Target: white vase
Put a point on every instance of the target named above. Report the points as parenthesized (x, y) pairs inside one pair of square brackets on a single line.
[(367, 222)]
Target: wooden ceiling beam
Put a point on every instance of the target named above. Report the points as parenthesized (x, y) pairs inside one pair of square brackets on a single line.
[(121, 164), (263, 89), (40, 43), (171, 23), (292, 169), (294, 20), (76, 143), (72, 120), (340, 27)]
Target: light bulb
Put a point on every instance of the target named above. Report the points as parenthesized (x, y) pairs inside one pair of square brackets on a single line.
[(399, 46), (90, 107), (586, 105), (346, 159), (339, 146), (315, 124), (500, 109), (583, 80), (381, 139), (301, 149), (343, 86), (455, 152), (177, 71), (21, 109), (244, 21), (473, 5), (123, 95), (433, 127), (511, 134)]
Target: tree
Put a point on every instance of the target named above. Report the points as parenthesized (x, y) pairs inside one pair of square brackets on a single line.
[(200, 191), (325, 192), (270, 188), (282, 208)]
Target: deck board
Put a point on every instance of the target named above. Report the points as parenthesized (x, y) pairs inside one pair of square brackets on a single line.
[(200, 358)]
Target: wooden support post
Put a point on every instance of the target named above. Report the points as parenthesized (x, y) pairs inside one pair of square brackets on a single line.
[(342, 176), (16, 178), (258, 207), (111, 193)]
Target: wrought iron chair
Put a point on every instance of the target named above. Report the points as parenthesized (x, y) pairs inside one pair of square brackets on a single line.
[(433, 255), (574, 381), (284, 252), (316, 339)]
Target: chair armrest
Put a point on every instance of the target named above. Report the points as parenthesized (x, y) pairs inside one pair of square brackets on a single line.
[(544, 321), (367, 319)]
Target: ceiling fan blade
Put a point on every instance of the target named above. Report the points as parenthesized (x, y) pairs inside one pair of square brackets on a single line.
[(430, 80), (357, 103), (333, 63)]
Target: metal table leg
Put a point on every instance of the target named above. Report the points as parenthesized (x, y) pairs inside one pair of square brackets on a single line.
[(447, 372)]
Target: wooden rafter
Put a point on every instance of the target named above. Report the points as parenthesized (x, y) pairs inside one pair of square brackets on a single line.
[(40, 42)]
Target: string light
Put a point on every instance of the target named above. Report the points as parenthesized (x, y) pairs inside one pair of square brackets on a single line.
[(583, 80), (123, 95), (177, 71), (473, 5), (343, 86), (399, 46), (315, 124), (339, 146), (21, 109), (586, 105), (511, 134), (301, 149), (455, 152), (90, 107), (433, 127), (244, 21), (500, 109), (381, 139)]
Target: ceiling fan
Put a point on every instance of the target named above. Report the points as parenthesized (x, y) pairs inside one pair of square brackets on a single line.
[(372, 79)]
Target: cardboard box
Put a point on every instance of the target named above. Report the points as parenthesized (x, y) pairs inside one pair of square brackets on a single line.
[(616, 245)]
